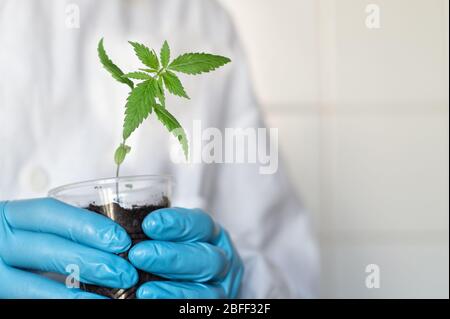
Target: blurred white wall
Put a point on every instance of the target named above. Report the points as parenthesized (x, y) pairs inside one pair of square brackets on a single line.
[(363, 118)]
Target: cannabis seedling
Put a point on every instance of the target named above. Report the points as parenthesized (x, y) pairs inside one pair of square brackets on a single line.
[(148, 95)]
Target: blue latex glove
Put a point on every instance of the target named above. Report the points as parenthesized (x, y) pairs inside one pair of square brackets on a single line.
[(47, 235), (191, 249)]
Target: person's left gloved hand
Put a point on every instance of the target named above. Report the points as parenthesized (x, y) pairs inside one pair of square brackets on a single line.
[(191, 251)]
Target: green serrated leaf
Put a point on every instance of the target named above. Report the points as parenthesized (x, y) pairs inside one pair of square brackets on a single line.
[(137, 76), (139, 105), (173, 84), (160, 89), (196, 63), (146, 56), (165, 54), (174, 127), (121, 153), (113, 69), (149, 70)]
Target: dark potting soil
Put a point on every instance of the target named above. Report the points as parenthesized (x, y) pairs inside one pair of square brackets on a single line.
[(130, 219)]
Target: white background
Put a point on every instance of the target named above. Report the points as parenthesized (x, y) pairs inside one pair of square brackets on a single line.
[(363, 118)]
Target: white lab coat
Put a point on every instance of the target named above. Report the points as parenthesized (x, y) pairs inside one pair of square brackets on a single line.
[(61, 116)]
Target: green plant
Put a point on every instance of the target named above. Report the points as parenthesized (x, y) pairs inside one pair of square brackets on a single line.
[(148, 95)]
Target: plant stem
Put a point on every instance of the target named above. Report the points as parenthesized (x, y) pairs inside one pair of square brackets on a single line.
[(117, 183), (117, 171), (156, 77), (117, 176)]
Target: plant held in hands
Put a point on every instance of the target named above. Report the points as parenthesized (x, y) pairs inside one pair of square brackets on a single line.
[(129, 200), (148, 94)]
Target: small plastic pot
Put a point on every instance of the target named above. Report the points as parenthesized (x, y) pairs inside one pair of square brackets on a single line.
[(127, 201)]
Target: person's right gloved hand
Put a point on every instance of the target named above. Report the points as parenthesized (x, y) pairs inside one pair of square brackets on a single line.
[(48, 235)]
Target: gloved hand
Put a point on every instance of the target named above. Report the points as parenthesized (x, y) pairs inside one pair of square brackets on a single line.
[(188, 247), (48, 235)]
